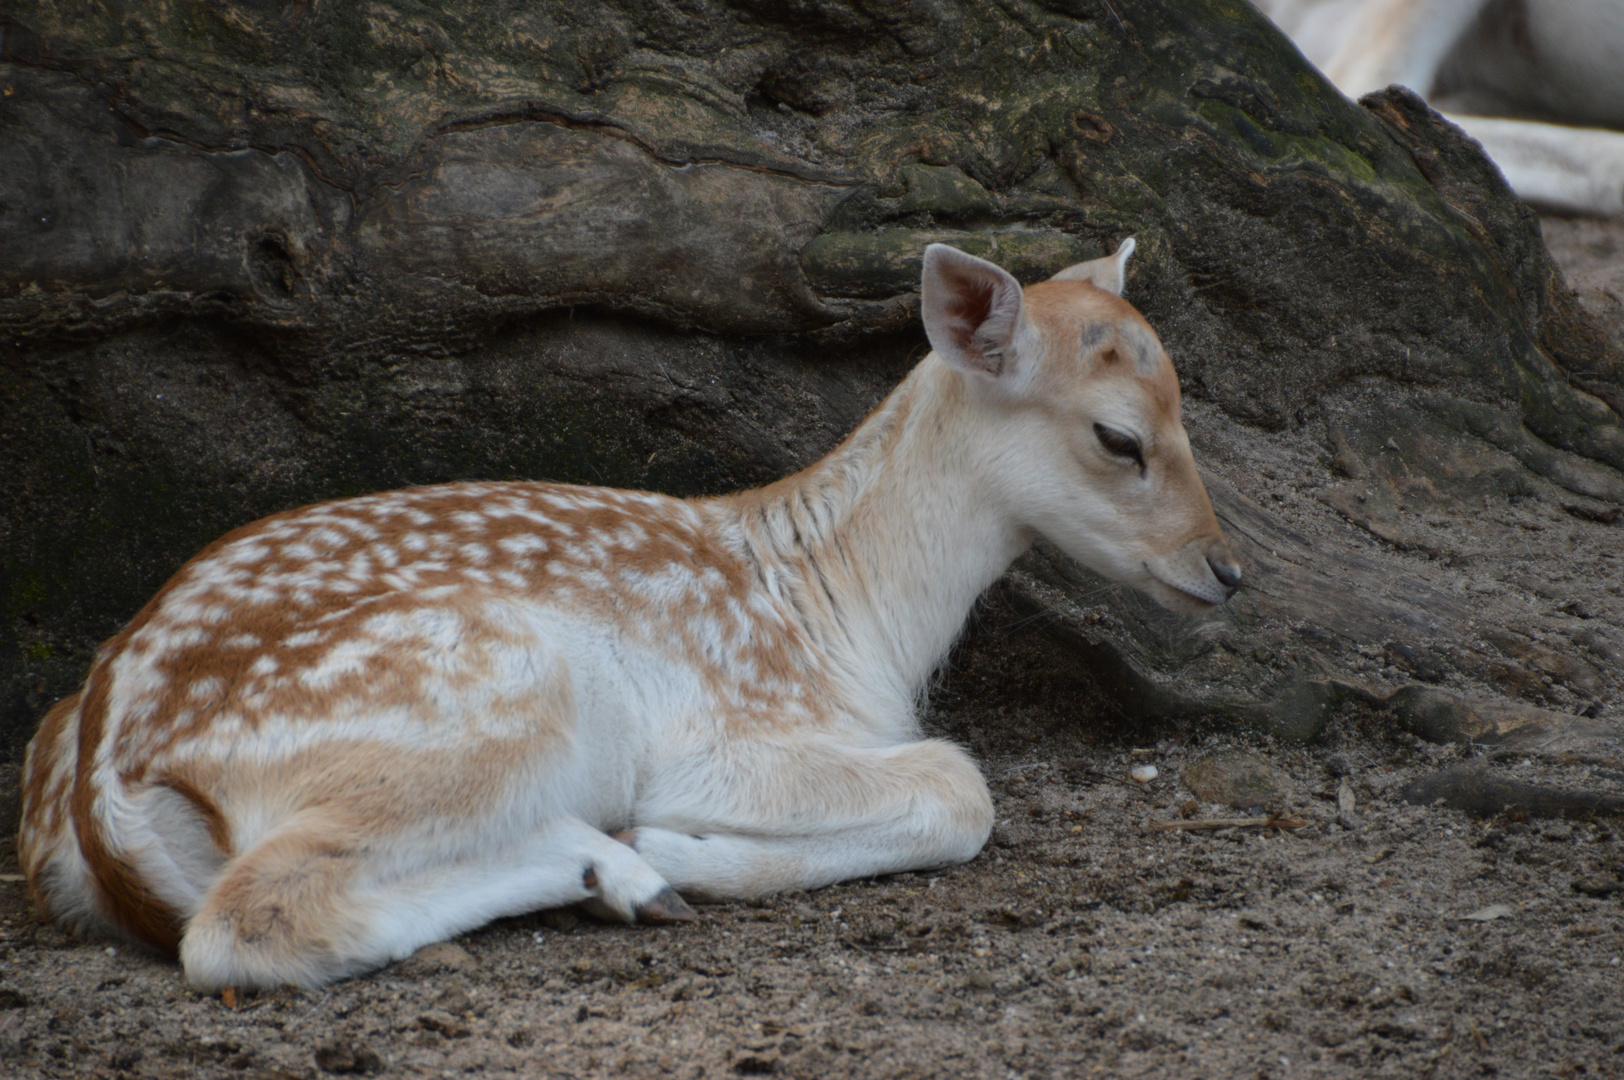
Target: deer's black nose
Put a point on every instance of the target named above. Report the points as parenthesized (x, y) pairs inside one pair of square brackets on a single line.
[(1227, 573)]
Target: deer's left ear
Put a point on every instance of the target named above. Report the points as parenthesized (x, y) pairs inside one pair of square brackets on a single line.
[(1109, 273), (972, 312)]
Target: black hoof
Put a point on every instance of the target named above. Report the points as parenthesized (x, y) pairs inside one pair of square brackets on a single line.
[(666, 907)]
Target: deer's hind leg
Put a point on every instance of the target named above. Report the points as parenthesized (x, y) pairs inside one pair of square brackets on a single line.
[(758, 817), (318, 900)]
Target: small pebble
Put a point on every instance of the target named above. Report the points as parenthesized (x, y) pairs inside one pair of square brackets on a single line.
[(455, 999), (1236, 779), (1344, 807), (343, 1056), (1144, 773), (1597, 885), (440, 956), (445, 1024)]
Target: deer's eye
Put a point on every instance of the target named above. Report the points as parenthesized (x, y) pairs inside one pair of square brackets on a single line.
[(1121, 444)]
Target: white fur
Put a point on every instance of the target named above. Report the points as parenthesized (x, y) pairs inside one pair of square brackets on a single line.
[(1110, 274)]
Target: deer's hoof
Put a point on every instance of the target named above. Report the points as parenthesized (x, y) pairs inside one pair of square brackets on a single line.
[(666, 907)]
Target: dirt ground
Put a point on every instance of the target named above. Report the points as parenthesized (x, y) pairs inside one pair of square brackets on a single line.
[(1342, 931)]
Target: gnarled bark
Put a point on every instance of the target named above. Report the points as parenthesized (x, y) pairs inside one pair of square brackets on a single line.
[(262, 254)]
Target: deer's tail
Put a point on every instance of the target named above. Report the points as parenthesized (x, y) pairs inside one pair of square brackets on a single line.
[(111, 858)]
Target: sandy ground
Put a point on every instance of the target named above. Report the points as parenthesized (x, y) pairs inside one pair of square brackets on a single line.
[(1342, 932), (1397, 941)]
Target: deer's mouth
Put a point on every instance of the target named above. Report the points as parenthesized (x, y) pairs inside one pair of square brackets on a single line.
[(1184, 593)]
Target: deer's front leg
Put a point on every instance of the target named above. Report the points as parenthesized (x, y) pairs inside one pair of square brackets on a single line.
[(761, 818)]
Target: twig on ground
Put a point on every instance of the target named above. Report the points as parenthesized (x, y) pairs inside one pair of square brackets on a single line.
[(1095, 774), (1273, 821)]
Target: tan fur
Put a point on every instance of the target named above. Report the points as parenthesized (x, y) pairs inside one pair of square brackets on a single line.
[(352, 728)]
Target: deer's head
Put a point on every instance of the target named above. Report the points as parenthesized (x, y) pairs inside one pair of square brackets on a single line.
[(1078, 407)]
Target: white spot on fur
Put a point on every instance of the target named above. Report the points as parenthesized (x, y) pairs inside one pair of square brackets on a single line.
[(244, 552), (346, 658), (184, 637), (522, 544), (326, 538)]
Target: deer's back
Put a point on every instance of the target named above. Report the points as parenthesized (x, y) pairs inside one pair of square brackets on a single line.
[(429, 616)]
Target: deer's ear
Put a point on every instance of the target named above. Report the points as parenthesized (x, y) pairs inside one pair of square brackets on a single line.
[(1109, 273), (972, 312)]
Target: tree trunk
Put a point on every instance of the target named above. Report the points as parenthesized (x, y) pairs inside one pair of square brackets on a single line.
[(260, 254)]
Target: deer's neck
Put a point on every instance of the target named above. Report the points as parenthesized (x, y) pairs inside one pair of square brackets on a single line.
[(882, 547)]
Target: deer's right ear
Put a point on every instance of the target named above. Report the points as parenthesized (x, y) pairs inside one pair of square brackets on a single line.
[(972, 312), (1109, 273)]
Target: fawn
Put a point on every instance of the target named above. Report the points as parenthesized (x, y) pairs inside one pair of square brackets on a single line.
[(355, 728)]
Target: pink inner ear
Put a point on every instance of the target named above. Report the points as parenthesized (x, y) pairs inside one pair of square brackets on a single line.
[(969, 308)]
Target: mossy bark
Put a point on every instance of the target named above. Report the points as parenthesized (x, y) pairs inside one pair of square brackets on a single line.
[(258, 254)]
